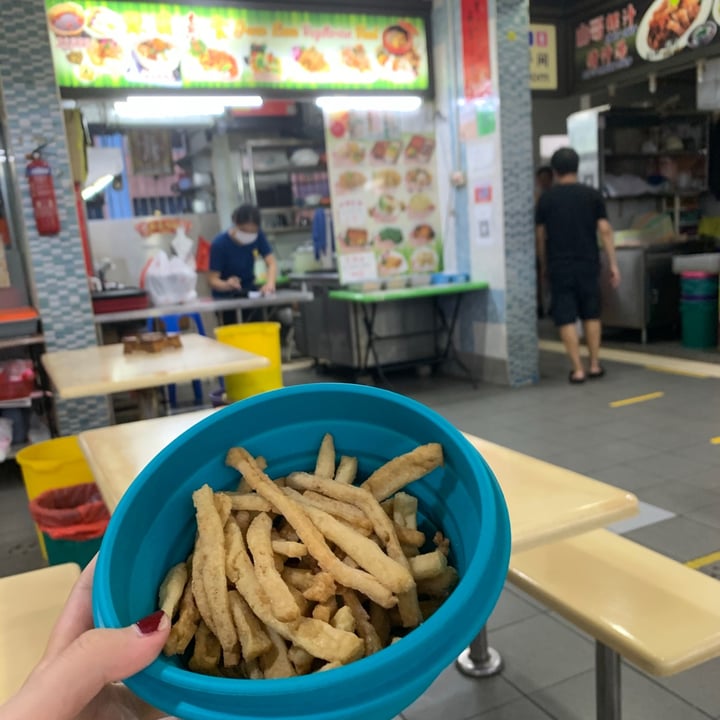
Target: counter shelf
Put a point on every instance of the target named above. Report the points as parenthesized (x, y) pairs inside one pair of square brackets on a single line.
[(367, 303)]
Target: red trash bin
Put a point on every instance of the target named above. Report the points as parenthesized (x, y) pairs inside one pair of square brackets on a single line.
[(73, 521)]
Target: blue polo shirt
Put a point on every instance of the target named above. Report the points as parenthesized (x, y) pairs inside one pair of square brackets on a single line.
[(230, 258)]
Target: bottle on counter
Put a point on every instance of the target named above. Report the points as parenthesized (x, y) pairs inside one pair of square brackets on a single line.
[(260, 268)]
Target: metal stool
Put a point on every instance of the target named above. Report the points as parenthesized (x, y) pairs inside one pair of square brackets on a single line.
[(171, 324)]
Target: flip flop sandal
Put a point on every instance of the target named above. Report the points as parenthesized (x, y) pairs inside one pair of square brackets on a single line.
[(575, 380), (597, 374)]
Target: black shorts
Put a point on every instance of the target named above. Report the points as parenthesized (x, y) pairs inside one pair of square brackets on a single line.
[(575, 294)]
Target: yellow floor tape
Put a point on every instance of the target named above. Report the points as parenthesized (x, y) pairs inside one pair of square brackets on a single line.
[(637, 399), (700, 562)]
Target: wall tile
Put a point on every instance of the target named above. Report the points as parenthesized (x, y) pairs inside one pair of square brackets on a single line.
[(33, 116), (509, 304)]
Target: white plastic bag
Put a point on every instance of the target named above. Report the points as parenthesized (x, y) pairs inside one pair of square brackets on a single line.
[(182, 245), (170, 281), (6, 434)]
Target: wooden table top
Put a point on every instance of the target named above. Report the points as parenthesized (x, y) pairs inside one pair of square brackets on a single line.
[(546, 502), (104, 369), (31, 604), (665, 620)]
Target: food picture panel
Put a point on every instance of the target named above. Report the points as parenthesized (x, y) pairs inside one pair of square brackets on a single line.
[(640, 33), (383, 175), (150, 45)]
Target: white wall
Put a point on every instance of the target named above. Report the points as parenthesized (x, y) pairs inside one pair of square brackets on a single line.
[(548, 118), (119, 241)]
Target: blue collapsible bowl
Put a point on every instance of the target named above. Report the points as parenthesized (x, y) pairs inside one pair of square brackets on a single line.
[(153, 528)]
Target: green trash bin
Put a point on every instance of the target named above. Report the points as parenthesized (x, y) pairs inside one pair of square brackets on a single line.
[(699, 309), (72, 521)]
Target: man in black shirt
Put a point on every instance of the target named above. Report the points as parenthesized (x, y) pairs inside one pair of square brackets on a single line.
[(568, 218)]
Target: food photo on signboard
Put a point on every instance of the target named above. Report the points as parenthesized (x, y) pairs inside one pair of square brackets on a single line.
[(389, 201), (642, 33), (127, 44)]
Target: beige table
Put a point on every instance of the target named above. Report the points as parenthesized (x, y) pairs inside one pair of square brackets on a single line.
[(546, 502), (118, 453), (105, 369), (31, 603)]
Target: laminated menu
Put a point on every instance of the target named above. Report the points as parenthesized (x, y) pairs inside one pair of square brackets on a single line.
[(384, 185)]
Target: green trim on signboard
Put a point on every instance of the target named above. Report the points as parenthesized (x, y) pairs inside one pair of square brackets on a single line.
[(125, 45)]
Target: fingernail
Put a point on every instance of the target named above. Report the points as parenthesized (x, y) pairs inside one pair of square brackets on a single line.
[(152, 623)]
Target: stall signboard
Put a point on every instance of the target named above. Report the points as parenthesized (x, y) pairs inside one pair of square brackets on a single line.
[(152, 45), (384, 187), (543, 57), (642, 33), (477, 70)]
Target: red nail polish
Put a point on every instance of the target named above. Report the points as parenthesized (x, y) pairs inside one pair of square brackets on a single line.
[(150, 624)]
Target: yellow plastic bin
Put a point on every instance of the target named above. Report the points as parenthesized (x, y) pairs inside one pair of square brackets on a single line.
[(262, 338), (52, 464)]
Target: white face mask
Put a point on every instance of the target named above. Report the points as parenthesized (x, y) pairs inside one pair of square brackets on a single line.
[(243, 238)]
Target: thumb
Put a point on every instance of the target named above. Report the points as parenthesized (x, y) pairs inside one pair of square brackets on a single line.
[(98, 657)]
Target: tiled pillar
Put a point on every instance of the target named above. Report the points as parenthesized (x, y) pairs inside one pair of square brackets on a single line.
[(497, 329), (512, 23), (33, 116)]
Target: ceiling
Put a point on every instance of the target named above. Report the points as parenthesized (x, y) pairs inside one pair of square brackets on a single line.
[(560, 8)]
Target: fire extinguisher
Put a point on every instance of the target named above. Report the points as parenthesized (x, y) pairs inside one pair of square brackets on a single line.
[(42, 193)]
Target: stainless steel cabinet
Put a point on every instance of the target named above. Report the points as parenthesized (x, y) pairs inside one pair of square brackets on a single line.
[(333, 331), (649, 294)]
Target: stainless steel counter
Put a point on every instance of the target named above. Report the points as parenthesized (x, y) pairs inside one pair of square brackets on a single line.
[(649, 292), (333, 332), (203, 305)]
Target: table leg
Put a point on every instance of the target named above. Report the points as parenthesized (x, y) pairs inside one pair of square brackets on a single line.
[(607, 683), (479, 660), (369, 314), (148, 403), (48, 405), (449, 328)]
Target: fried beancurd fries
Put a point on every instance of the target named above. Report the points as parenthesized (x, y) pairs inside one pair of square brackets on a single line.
[(305, 573)]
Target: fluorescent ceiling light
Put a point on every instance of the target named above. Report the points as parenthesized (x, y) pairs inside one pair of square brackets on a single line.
[(226, 100), (182, 106), (379, 103), (168, 110), (97, 187)]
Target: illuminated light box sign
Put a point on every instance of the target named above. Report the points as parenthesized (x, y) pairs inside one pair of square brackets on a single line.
[(148, 45), (643, 33)]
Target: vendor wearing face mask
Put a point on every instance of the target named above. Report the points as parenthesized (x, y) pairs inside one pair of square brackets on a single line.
[(232, 256)]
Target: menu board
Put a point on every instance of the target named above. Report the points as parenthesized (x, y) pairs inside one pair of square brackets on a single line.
[(383, 176), (150, 45), (643, 33)]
